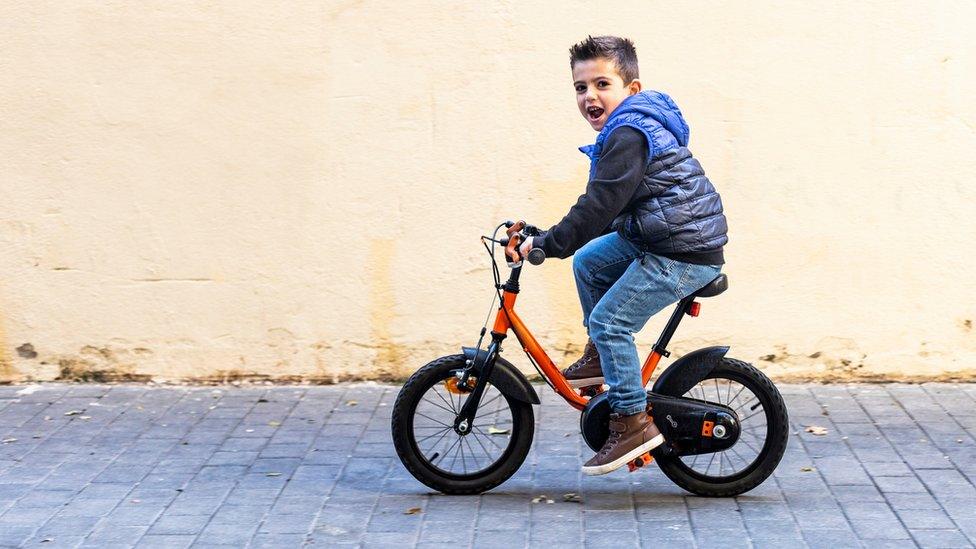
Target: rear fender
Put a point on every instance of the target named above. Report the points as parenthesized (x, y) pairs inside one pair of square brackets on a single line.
[(505, 376), (688, 370)]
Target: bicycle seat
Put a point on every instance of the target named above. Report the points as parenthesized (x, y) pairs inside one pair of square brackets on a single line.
[(715, 287)]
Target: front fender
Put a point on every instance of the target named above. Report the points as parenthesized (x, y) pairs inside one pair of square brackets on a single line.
[(505, 376), (688, 370)]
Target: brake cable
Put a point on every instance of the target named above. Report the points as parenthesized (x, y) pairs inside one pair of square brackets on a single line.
[(501, 300)]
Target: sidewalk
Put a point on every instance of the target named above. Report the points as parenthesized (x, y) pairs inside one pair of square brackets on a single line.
[(274, 466)]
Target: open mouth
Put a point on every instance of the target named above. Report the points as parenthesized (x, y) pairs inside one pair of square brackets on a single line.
[(594, 113)]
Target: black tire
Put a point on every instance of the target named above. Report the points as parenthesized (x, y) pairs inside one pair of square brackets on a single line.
[(495, 470), (768, 456)]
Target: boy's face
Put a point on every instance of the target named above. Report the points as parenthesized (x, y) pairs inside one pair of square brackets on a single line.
[(599, 89)]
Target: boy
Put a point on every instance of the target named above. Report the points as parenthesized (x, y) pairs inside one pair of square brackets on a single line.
[(648, 231)]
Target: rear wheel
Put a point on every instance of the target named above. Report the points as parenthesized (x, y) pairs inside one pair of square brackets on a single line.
[(764, 432), (435, 454)]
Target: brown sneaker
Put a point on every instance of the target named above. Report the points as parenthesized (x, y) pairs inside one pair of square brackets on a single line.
[(586, 371), (630, 436)]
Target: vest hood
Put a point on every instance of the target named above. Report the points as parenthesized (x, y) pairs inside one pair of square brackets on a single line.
[(658, 106)]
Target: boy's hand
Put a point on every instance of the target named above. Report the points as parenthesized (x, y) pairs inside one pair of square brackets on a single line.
[(525, 247)]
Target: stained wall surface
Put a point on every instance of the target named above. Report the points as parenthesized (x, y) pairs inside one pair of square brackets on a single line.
[(297, 190)]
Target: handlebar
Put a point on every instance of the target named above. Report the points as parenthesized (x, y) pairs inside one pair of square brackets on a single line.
[(516, 232)]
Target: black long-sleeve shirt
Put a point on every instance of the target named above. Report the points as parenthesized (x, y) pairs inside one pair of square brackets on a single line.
[(619, 171)]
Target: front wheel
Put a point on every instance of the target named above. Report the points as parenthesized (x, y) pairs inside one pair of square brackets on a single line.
[(438, 456), (764, 432)]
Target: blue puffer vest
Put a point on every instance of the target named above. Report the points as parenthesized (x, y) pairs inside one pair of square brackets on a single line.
[(675, 209)]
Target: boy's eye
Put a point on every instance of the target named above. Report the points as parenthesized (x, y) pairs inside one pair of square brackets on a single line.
[(580, 89), (603, 83)]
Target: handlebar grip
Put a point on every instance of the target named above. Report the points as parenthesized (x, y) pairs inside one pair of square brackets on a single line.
[(537, 256)]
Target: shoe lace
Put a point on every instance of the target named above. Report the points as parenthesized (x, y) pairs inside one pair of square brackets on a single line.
[(588, 354), (611, 440)]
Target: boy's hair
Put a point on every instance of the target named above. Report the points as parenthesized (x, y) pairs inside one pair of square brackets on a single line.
[(619, 50)]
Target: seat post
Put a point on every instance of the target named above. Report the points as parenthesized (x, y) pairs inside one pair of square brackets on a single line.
[(662, 342)]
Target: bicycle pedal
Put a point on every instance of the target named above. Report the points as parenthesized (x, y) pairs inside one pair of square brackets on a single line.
[(639, 461), (591, 390)]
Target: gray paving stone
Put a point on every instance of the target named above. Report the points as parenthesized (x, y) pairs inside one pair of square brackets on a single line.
[(179, 525), (940, 538), (164, 542), (201, 477)]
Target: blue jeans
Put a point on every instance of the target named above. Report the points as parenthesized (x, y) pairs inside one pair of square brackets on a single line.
[(620, 288)]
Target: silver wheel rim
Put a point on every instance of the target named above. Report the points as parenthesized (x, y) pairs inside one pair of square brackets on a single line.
[(751, 415)]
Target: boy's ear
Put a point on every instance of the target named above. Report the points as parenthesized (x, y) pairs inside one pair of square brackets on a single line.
[(635, 86)]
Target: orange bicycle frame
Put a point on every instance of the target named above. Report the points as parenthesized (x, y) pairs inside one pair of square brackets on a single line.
[(506, 318)]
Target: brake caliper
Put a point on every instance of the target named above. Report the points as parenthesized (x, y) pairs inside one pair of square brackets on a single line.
[(454, 388)]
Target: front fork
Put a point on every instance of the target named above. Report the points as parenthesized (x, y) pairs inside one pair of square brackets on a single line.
[(465, 418)]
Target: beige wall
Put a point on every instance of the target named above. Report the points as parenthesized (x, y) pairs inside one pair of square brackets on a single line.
[(221, 189)]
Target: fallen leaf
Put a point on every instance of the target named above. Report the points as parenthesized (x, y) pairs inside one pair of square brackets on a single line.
[(262, 400), (274, 423), (72, 412), (541, 499), (573, 497), (273, 475), (413, 511), (496, 431), (248, 430), (959, 440), (37, 436), (351, 403), (84, 417), (46, 540), (807, 469), (816, 430), (8, 440), (136, 501)]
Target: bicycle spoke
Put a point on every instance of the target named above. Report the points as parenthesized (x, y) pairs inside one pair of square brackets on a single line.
[(435, 444), (432, 403), (471, 454), (709, 467), (751, 447), (433, 435), (493, 399), (744, 403), (747, 463), (751, 415), (488, 436), (434, 420), (478, 440), (451, 403), (454, 459), (449, 448), (736, 395)]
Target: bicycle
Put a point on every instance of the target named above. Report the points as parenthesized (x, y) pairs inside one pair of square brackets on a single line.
[(451, 439)]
